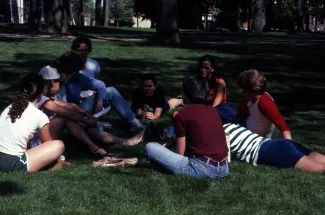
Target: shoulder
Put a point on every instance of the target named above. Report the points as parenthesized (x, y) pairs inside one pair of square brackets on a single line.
[(92, 61), (42, 102), (265, 99), (220, 81)]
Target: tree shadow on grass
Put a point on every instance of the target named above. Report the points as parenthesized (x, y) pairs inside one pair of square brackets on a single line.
[(9, 188)]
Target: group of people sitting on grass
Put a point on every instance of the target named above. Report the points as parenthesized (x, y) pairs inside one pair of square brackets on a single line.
[(66, 94)]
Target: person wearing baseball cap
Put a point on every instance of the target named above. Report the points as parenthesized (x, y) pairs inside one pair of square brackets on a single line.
[(71, 115)]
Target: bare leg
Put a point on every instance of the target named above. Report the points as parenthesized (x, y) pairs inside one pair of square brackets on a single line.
[(174, 103), (108, 138), (56, 126), (317, 157), (309, 165), (44, 154), (77, 131)]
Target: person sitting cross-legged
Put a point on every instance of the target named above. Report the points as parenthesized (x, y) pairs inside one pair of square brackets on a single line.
[(18, 123), (283, 153), (148, 101), (78, 122), (198, 127), (69, 65)]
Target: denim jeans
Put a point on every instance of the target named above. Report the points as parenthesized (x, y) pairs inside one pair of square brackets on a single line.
[(179, 164), (115, 98)]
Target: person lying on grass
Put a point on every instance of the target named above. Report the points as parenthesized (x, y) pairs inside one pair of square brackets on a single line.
[(78, 122), (69, 65), (258, 109), (283, 153), (148, 101), (199, 127), (18, 123)]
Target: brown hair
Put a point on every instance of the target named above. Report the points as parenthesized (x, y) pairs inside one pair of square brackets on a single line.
[(31, 87), (252, 80), (70, 62)]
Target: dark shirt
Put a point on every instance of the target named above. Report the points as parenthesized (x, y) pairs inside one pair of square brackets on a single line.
[(139, 99), (202, 128)]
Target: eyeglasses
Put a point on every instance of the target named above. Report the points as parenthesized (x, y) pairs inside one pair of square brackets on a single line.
[(82, 50)]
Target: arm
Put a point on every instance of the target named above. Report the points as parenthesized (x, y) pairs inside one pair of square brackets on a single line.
[(44, 133), (268, 107), (180, 131), (155, 115), (242, 109), (69, 114), (99, 87), (140, 113), (180, 145), (220, 90), (69, 106)]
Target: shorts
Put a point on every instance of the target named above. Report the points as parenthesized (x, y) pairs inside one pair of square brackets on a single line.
[(9, 163), (281, 153)]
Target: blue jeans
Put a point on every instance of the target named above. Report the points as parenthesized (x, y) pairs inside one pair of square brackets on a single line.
[(115, 98), (179, 164)]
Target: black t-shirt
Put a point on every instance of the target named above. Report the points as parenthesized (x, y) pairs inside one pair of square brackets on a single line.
[(139, 100)]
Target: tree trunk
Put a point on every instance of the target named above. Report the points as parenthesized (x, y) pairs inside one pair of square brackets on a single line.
[(98, 16), (167, 31), (34, 16), (14, 9), (269, 16), (259, 15), (300, 17), (6, 10), (58, 16), (81, 15), (250, 15), (106, 12)]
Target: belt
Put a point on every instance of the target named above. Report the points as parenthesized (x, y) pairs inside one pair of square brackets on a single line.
[(212, 162)]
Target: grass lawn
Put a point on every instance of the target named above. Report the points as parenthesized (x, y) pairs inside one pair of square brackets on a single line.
[(296, 81)]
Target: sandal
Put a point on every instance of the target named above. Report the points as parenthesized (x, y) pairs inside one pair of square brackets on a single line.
[(109, 163), (139, 140), (129, 161)]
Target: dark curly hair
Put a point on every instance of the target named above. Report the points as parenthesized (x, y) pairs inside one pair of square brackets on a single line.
[(70, 62), (31, 87), (79, 40)]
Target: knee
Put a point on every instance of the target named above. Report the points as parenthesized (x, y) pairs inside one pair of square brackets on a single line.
[(150, 147), (111, 90), (58, 146)]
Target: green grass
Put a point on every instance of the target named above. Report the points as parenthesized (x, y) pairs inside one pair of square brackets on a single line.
[(296, 81)]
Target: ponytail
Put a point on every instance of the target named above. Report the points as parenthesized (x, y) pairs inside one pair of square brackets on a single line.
[(18, 107), (31, 88)]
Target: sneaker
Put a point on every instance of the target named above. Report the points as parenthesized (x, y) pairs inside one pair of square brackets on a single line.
[(179, 97), (137, 126)]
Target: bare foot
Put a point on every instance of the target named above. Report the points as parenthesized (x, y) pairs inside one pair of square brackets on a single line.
[(135, 140), (99, 151)]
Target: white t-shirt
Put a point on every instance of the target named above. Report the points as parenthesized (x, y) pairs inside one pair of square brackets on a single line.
[(14, 136), (92, 67)]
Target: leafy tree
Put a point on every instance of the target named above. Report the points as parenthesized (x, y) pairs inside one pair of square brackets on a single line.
[(122, 11)]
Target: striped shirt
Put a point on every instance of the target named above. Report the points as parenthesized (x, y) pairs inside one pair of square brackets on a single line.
[(243, 143)]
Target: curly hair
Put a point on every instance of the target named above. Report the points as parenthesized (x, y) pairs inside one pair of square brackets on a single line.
[(252, 80), (31, 87), (80, 40), (70, 62)]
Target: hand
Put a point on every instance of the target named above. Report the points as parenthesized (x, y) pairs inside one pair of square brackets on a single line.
[(148, 114)]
